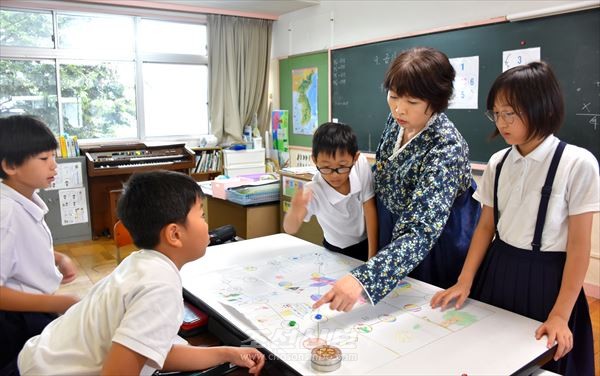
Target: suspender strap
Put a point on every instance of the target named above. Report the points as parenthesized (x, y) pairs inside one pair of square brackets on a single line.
[(545, 199), (496, 179)]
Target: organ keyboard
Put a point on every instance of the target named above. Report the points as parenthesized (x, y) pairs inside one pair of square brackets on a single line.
[(118, 159), (110, 166)]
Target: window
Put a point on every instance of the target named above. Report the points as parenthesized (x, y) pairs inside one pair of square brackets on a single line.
[(98, 99), (172, 37), (26, 29), (95, 32), (116, 80), (175, 81), (182, 112), (29, 87)]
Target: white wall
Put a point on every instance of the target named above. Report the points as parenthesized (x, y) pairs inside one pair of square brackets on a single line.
[(311, 29)]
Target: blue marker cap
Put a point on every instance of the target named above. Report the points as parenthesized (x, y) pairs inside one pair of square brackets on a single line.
[(318, 316)]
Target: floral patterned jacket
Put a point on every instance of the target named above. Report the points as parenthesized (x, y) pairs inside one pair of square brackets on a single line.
[(419, 185)]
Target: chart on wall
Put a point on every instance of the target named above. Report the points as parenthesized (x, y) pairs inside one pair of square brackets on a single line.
[(274, 298), (304, 100)]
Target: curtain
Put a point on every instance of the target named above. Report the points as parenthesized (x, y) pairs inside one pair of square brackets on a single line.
[(238, 56)]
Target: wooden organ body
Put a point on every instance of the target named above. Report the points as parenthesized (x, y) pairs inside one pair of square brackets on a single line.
[(109, 167)]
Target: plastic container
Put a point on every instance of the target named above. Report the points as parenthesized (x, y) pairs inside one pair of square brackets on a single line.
[(245, 169), (247, 136), (254, 194), (241, 157), (219, 187)]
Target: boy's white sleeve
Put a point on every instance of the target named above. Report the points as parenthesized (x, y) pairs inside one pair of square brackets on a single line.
[(7, 252), (366, 179), (311, 208), (584, 186), (153, 315)]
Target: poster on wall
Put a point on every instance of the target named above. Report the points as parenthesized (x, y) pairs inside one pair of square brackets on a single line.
[(304, 100), (68, 175), (466, 82), (279, 127), (73, 206), (513, 58)]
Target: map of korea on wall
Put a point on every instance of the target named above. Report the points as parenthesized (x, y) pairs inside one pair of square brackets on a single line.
[(304, 100)]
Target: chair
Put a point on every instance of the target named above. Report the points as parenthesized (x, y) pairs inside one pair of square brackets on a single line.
[(122, 238)]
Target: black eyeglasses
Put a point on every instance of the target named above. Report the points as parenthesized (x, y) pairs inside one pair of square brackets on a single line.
[(508, 117), (339, 170)]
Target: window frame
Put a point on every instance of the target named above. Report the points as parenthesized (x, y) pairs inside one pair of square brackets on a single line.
[(90, 55)]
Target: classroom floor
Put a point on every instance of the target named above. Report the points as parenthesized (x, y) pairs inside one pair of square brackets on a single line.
[(96, 259)]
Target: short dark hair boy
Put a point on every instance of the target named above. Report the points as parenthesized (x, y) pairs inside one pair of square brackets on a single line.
[(344, 178), (330, 138), (22, 137), (30, 270), (144, 218), (134, 313)]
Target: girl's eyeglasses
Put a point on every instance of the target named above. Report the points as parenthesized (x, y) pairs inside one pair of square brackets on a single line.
[(339, 170), (507, 117)]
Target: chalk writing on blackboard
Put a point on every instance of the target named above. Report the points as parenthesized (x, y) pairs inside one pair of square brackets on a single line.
[(593, 119)]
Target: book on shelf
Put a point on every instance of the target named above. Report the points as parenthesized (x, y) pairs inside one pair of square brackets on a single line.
[(68, 146), (208, 161)]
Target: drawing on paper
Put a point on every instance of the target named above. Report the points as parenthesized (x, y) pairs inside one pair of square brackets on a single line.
[(276, 299)]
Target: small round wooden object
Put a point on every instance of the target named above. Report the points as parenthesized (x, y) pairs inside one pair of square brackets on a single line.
[(326, 358)]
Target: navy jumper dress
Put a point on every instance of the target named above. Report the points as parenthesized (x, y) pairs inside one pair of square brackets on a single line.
[(527, 282)]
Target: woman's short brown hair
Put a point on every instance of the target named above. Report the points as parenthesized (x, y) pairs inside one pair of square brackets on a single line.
[(533, 92), (423, 73)]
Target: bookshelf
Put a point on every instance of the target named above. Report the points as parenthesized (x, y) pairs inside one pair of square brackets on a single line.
[(209, 163)]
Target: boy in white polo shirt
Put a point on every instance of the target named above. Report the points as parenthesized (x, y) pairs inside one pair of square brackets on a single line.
[(128, 323), (30, 270), (340, 195)]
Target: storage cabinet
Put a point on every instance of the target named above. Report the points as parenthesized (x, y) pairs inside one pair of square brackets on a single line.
[(67, 199), (244, 162)]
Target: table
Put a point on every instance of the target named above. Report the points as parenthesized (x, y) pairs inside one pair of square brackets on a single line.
[(250, 221), (255, 288)]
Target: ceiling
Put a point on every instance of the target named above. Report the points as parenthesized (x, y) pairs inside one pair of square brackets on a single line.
[(274, 8)]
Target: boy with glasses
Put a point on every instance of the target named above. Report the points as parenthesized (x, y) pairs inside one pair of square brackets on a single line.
[(340, 195)]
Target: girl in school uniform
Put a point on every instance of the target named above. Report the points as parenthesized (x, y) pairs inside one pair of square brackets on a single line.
[(533, 237)]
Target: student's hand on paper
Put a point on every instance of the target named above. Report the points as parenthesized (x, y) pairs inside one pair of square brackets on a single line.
[(66, 267), (248, 357), (301, 199), (459, 292), (343, 295), (556, 329)]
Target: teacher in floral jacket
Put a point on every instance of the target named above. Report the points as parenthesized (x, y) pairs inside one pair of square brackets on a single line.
[(423, 184)]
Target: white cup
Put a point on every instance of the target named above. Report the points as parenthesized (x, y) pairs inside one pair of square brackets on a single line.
[(257, 142)]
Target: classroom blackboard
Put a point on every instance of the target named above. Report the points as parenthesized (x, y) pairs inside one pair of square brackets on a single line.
[(569, 42)]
